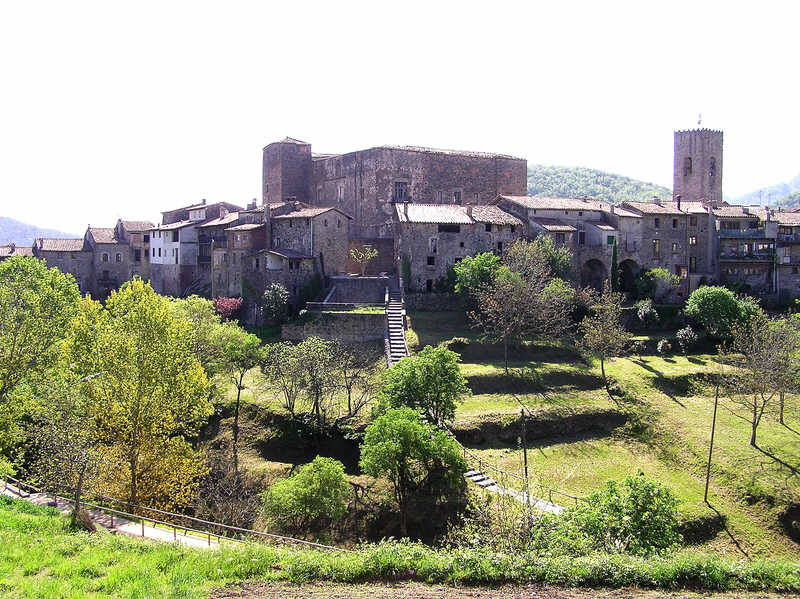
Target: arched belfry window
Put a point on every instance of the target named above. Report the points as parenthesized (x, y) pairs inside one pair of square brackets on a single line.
[(687, 166), (712, 168)]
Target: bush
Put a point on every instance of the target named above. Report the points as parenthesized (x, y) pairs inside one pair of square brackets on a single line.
[(472, 273), (317, 493), (646, 313), (718, 310), (276, 304), (227, 307), (664, 347), (686, 338), (657, 284)]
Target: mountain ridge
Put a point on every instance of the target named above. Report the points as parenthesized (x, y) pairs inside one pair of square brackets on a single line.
[(20, 233)]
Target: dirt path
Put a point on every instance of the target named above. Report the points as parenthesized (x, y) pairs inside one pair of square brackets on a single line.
[(262, 590)]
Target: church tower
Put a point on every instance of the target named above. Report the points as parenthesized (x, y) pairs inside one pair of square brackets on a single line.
[(698, 165)]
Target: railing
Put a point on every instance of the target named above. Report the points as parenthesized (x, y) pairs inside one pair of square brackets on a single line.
[(743, 233), (789, 237), (747, 256), (387, 344), (204, 259), (112, 512)]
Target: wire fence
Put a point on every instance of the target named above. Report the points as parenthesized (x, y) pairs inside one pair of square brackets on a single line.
[(174, 526)]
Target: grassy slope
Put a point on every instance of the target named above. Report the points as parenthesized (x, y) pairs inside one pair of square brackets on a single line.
[(673, 449), (40, 556)]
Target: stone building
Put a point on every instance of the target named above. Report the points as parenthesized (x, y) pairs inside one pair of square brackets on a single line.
[(111, 262), (367, 183), (788, 258), (747, 237), (430, 238), (72, 256), (12, 249), (697, 172), (136, 233)]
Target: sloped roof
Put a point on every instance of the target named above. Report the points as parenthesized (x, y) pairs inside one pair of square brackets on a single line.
[(46, 244), (440, 214), (178, 225), (494, 215), (620, 211), (446, 152), (786, 218), (652, 208), (103, 234), (690, 207), (554, 225), (311, 212), (740, 212), (545, 203), (231, 217), (137, 226), (7, 251), (287, 253), (602, 226), (246, 227)]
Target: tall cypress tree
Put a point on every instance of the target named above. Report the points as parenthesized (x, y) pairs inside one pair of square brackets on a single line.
[(614, 268)]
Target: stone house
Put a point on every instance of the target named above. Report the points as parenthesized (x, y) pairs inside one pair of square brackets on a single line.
[(136, 233), (12, 249), (367, 183), (431, 238), (72, 256), (110, 260), (788, 254), (315, 231), (747, 237)]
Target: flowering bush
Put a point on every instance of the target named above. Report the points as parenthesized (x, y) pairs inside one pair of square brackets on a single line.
[(227, 307), (686, 338), (664, 346)]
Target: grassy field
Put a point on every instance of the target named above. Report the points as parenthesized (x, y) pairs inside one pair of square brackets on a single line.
[(42, 557), (668, 404)]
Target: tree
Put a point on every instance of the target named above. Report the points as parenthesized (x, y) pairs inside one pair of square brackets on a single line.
[(412, 455), (472, 273), (318, 380), (276, 304), (206, 330), (657, 284), (529, 258), (67, 449), (430, 382), (718, 310), (764, 350), (615, 272), (36, 306), (603, 334), (318, 492), (282, 370), (227, 307), (363, 256), (357, 369), (151, 393), (240, 354)]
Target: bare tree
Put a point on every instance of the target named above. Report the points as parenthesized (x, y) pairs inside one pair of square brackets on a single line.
[(357, 366), (281, 369), (764, 352), (603, 334)]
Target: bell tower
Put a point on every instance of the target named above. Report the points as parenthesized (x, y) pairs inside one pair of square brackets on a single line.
[(698, 165)]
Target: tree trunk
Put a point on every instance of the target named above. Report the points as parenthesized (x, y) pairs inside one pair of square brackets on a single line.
[(134, 465), (755, 425), (505, 353), (236, 427), (605, 380), (780, 408), (403, 511), (78, 489)]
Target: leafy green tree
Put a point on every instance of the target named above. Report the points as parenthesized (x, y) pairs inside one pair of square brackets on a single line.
[(718, 310), (282, 370), (363, 256), (603, 334), (207, 330), (36, 306), (657, 284), (318, 377), (151, 393), (616, 275), (474, 272), (357, 367), (318, 492), (241, 353), (531, 258), (412, 455), (276, 304), (430, 382)]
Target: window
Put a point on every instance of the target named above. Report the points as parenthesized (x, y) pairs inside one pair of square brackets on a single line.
[(581, 237), (656, 247), (439, 196), (159, 252), (513, 228), (687, 166), (234, 257), (682, 271), (105, 257), (692, 264), (488, 227), (566, 211), (176, 257), (257, 264), (674, 223), (325, 222), (175, 237), (475, 197), (692, 221), (580, 213), (692, 240), (291, 265), (656, 222), (674, 246), (433, 244), (329, 242), (400, 191), (456, 197), (712, 168), (449, 228), (291, 222), (339, 193), (338, 223), (431, 260), (461, 244), (610, 240), (137, 255), (499, 246), (154, 252), (147, 239)]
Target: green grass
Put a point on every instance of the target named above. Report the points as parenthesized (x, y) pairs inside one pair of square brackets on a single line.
[(671, 403), (41, 556)]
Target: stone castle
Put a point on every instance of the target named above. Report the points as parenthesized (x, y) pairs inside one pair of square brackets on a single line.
[(425, 209)]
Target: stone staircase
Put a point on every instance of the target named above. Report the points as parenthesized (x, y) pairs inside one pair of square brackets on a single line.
[(395, 326)]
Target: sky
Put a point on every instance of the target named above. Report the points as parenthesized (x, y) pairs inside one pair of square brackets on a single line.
[(125, 109)]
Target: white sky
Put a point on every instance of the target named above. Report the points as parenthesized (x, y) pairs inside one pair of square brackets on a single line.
[(112, 109)]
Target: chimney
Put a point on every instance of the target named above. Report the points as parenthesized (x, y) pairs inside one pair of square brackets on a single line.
[(204, 201), (12, 245), (469, 210), (678, 200), (251, 205)]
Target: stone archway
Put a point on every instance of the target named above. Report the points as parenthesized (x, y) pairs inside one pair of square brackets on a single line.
[(593, 274), (628, 270)]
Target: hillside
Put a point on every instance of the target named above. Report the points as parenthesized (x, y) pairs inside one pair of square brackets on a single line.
[(14, 231), (790, 201), (576, 181), (773, 194)]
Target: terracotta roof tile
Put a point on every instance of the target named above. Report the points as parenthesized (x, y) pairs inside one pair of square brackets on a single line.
[(7, 251), (44, 244), (137, 226), (554, 225), (310, 212), (103, 235), (231, 217), (740, 212), (441, 214), (540, 203), (786, 218), (494, 215), (246, 227), (287, 253), (652, 207)]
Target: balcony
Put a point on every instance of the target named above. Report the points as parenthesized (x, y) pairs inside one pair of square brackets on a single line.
[(766, 256), (218, 241), (790, 237), (204, 259), (743, 233)]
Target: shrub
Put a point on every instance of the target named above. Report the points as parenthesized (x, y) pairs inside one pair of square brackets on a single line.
[(686, 338), (276, 304), (317, 493), (646, 313), (638, 347), (664, 346), (718, 310), (227, 307), (472, 273), (657, 284)]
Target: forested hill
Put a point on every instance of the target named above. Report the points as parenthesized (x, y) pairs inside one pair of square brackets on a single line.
[(790, 201), (778, 193), (576, 181), (14, 231)]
